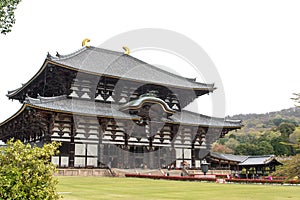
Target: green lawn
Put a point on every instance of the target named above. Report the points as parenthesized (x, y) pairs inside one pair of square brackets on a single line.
[(136, 188)]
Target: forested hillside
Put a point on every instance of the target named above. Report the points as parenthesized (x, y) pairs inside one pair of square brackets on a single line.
[(262, 134)]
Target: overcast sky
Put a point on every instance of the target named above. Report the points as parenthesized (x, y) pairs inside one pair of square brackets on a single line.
[(255, 45)]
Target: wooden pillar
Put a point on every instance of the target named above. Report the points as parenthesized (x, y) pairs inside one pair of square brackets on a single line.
[(126, 151), (151, 153), (100, 148), (193, 164), (86, 154), (133, 157), (72, 144), (102, 127), (129, 126), (182, 152), (47, 136)]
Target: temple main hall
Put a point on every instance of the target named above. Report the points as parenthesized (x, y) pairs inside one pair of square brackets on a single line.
[(108, 108)]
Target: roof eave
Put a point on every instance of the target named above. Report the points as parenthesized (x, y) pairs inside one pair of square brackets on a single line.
[(17, 91)]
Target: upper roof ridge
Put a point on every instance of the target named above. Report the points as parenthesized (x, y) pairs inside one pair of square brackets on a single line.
[(62, 57)]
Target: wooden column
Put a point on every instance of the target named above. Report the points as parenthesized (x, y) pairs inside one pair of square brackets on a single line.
[(72, 145), (193, 156), (99, 148), (126, 151), (102, 127), (151, 153), (128, 131), (47, 136)]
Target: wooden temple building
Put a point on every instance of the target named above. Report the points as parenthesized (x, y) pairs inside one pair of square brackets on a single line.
[(108, 108), (260, 164)]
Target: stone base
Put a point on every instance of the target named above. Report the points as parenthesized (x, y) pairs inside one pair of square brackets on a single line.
[(82, 172)]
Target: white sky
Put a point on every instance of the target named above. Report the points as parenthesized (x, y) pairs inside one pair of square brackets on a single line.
[(255, 45)]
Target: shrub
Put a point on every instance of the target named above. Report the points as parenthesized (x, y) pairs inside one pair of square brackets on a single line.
[(26, 172)]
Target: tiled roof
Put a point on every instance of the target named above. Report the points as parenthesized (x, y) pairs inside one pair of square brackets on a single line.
[(64, 104), (188, 117), (229, 157), (75, 106), (258, 160), (245, 160), (118, 64)]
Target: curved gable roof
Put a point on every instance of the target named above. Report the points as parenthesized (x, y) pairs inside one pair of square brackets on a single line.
[(138, 103)]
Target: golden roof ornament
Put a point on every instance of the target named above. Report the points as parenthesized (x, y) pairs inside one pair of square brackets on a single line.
[(126, 50), (85, 42)]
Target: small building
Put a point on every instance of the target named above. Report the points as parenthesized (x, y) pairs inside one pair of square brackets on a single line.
[(259, 165), (108, 108)]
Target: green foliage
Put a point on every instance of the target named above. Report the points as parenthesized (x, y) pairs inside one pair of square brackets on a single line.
[(222, 141), (263, 133), (295, 137), (290, 169), (245, 149), (231, 143), (261, 148), (232, 136), (286, 129), (220, 148), (267, 121), (264, 148), (280, 149), (277, 121), (7, 16), (26, 172)]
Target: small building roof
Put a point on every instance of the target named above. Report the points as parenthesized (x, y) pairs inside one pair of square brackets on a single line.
[(258, 160), (246, 160)]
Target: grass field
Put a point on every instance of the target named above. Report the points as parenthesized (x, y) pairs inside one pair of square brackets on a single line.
[(144, 189)]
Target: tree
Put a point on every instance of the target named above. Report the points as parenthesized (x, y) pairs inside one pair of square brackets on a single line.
[(294, 137), (294, 145), (220, 148), (277, 121), (286, 129), (280, 149), (245, 149), (264, 148), (232, 136), (291, 168), (297, 98), (232, 143), (7, 15), (26, 172)]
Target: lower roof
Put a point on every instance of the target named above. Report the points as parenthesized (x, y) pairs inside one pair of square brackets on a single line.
[(228, 157), (90, 108)]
